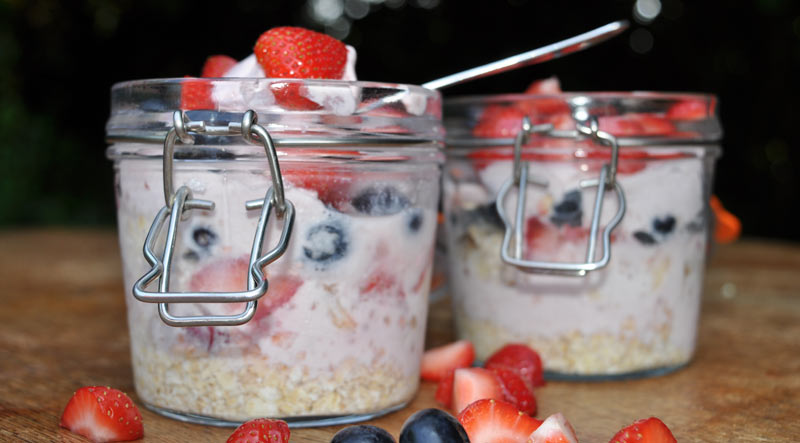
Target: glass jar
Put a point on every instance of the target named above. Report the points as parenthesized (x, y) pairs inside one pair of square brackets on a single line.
[(306, 302), (590, 245)]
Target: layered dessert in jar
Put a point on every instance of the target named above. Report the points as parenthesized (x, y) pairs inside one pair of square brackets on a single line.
[(639, 314), (339, 334)]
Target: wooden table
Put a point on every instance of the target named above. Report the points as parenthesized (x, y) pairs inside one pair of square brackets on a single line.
[(63, 325)]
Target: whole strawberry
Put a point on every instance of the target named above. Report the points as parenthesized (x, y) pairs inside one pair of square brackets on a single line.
[(102, 414), (289, 52), (261, 430)]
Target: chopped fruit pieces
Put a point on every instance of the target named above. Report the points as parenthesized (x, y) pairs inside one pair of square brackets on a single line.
[(496, 421), (727, 227), (439, 361), (692, 109), (515, 391), (520, 359), (383, 200), (499, 122), (544, 106), (196, 94), (102, 414), (331, 186), (650, 430), (290, 52), (432, 426), (629, 125), (444, 390), (555, 429), (261, 429), (473, 384), (217, 66)]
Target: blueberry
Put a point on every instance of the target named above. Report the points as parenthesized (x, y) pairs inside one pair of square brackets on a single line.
[(198, 153), (384, 200), (568, 210), (432, 426), (325, 243), (415, 221), (204, 237), (363, 434), (644, 238), (191, 255), (664, 225)]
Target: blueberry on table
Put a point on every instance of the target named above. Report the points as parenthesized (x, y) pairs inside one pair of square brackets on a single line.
[(568, 210), (363, 434), (325, 243), (432, 426), (664, 225), (383, 200), (204, 237), (644, 238)]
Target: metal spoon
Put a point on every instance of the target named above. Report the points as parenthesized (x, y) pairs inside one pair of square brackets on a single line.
[(539, 55)]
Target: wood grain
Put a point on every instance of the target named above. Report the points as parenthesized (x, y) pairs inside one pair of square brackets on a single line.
[(62, 326)]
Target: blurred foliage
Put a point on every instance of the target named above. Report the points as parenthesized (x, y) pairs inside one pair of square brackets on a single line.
[(58, 60)]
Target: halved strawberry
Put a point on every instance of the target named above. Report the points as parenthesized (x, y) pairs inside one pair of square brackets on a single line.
[(217, 66), (555, 429), (437, 362), (102, 414), (691, 109), (520, 359), (261, 430), (650, 430), (473, 384), (544, 106), (499, 121), (515, 391), (496, 421), (444, 390)]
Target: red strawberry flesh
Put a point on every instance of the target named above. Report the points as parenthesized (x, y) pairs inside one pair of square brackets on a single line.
[(102, 414), (438, 362), (261, 430), (515, 391), (473, 384), (555, 429), (217, 66), (650, 430), (496, 421), (291, 52), (520, 359)]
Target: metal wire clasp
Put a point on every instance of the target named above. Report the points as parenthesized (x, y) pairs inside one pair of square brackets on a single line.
[(177, 205), (514, 232)]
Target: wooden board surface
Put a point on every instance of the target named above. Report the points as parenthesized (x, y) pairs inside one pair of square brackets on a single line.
[(63, 325)]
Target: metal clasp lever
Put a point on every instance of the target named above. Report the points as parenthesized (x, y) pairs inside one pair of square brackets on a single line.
[(514, 232), (177, 205)]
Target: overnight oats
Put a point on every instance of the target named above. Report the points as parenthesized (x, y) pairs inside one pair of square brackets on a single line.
[(636, 313), (339, 333)]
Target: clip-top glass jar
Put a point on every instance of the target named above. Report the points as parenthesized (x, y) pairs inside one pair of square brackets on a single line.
[(292, 244), (578, 224)]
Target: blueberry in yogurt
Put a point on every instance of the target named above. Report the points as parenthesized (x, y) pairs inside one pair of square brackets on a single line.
[(569, 210), (325, 243), (664, 225), (644, 238), (381, 200), (204, 237), (415, 221)]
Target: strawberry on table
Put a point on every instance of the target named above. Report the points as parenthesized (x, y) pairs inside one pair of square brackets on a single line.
[(555, 429), (261, 430), (520, 359), (496, 421), (650, 430), (438, 362), (515, 391), (444, 390), (473, 384), (102, 414)]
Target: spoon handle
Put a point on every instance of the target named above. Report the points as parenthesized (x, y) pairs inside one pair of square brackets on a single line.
[(545, 53)]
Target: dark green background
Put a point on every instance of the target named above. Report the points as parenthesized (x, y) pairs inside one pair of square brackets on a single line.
[(58, 60)]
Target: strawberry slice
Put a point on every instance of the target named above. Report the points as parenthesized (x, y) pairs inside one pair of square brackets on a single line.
[(521, 360), (650, 430), (196, 94), (217, 66), (496, 421), (102, 414), (555, 429), (515, 391), (499, 122), (261, 429), (332, 187), (544, 106), (438, 362), (473, 384), (444, 390), (691, 109)]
